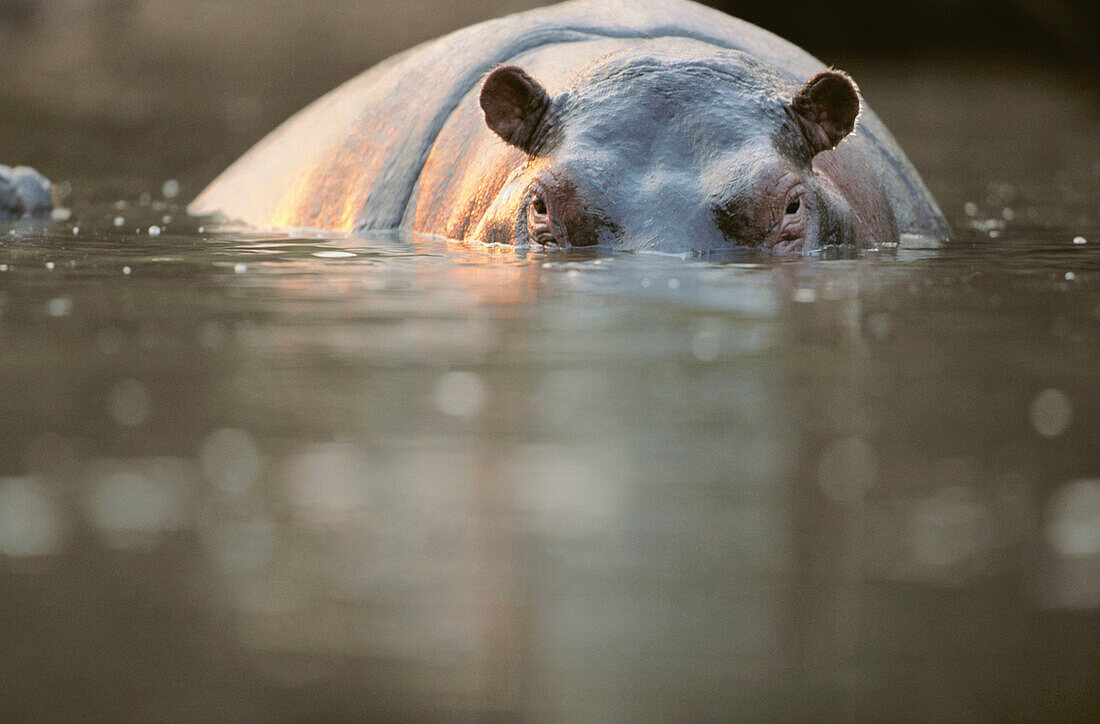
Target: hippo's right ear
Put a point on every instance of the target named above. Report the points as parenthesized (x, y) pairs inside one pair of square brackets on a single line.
[(514, 104)]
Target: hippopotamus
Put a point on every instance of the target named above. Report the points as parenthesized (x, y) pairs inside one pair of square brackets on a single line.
[(23, 193), (657, 125)]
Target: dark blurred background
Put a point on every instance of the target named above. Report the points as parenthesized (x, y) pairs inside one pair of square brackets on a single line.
[(193, 83)]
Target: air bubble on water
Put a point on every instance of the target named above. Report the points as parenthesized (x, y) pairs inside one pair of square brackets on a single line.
[(121, 204), (970, 208), (166, 219), (60, 307), (1073, 519), (1070, 276), (3, 267), (460, 394), (76, 230), (240, 268), (119, 221), (1080, 240), (171, 189), (50, 265), (805, 295), (154, 230), (646, 283), (129, 403), (673, 283), (202, 229), (1051, 413), (333, 254), (61, 214), (994, 233), (126, 270), (1008, 214)]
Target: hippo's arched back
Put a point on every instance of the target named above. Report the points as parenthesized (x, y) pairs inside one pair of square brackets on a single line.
[(353, 160)]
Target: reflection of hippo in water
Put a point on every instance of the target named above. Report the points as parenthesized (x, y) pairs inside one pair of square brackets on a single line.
[(653, 124)]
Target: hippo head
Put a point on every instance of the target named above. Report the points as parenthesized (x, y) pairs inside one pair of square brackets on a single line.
[(682, 153)]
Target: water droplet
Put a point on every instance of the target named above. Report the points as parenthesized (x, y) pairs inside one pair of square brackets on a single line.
[(970, 208), (154, 230), (1051, 413), (1008, 214), (460, 394), (171, 189)]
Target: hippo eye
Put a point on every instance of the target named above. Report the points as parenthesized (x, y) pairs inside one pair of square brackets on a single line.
[(540, 229), (793, 206)]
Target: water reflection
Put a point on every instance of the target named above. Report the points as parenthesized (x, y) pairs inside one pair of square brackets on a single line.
[(363, 476)]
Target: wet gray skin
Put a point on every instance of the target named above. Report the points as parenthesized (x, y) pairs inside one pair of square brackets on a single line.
[(679, 153), (23, 193)]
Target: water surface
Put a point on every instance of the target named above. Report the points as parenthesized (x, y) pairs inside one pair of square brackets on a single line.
[(252, 476)]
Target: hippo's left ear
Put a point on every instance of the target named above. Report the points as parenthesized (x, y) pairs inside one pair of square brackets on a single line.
[(514, 104), (828, 104)]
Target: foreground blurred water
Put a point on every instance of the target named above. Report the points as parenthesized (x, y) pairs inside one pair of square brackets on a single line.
[(256, 477)]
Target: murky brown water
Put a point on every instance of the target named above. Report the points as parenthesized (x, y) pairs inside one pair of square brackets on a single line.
[(250, 477)]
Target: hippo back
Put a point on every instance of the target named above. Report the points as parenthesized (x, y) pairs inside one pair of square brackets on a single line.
[(351, 160)]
